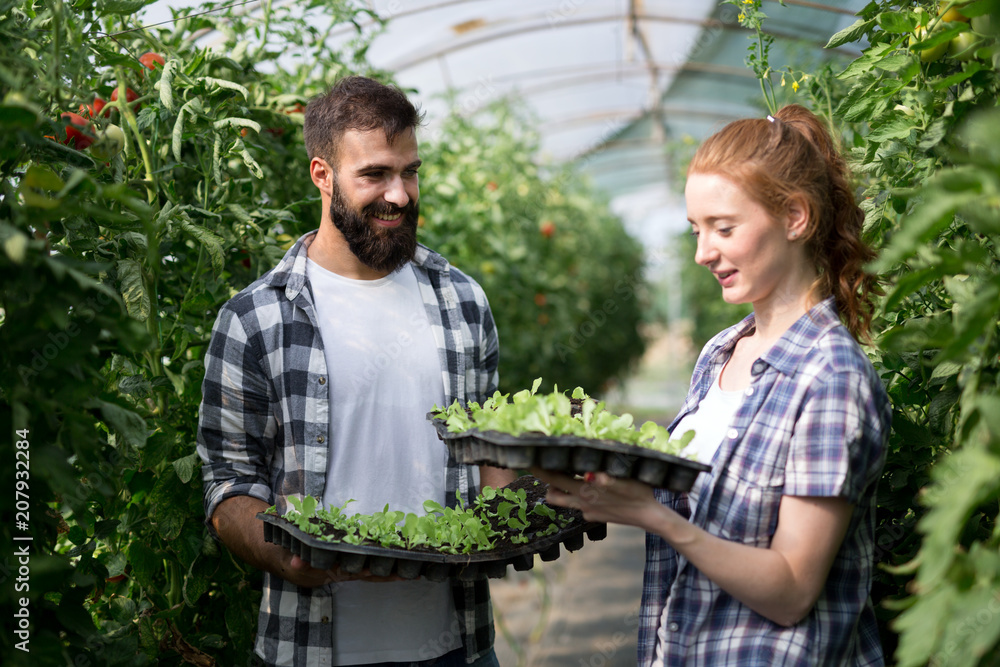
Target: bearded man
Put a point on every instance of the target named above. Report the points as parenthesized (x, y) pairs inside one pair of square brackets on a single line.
[(318, 378)]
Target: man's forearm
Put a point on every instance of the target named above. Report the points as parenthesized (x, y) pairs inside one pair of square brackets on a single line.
[(235, 521)]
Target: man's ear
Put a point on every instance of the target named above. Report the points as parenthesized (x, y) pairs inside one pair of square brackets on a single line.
[(321, 174), (797, 221)]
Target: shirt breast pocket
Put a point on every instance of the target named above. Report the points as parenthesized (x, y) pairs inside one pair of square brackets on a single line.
[(747, 510)]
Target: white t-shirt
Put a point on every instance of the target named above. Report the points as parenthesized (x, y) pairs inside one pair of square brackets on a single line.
[(384, 376), (710, 422)]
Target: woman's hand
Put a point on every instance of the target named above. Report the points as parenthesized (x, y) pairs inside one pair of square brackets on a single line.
[(781, 582), (606, 499)]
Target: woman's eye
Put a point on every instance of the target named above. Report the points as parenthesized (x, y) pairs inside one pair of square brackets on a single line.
[(725, 231)]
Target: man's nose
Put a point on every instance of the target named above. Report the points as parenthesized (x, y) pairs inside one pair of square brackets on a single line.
[(395, 192)]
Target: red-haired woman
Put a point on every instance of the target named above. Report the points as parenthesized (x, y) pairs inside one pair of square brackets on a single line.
[(768, 559)]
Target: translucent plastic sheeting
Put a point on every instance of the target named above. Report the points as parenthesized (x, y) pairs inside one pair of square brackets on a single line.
[(618, 86)]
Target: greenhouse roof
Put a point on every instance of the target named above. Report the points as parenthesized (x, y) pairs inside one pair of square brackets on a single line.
[(614, 84)]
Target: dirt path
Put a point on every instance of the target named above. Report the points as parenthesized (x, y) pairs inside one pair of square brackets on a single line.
[(578, 611)]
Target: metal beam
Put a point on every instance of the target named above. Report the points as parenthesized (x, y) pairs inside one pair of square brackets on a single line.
[(517, 31), (816, 5)]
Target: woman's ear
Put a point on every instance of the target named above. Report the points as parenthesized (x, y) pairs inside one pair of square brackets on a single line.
[(797, 220)]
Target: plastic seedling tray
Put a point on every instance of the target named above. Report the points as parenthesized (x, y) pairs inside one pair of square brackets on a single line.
[(571, 455), (435, 566)]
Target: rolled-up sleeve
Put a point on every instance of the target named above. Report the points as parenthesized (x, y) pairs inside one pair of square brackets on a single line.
[(832, 453), (490, 354), (236, 425)]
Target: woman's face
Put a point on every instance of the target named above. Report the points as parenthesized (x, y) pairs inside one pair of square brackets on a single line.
[(751, 254)]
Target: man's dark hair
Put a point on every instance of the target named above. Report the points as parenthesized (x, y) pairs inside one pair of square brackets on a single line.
[(355, 103)]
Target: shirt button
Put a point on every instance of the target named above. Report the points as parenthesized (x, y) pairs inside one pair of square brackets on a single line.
[(733, 434), (673, 627), (325, 619), (320, 439), (322, 380), (758, 367), (749, 391)]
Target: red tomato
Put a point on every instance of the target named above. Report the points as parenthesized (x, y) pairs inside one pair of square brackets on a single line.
[(94, 109), (79, 138), (130, 95), (150, 60)]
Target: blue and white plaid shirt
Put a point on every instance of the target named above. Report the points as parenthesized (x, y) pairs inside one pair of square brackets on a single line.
[(813, 422), (265, 418)]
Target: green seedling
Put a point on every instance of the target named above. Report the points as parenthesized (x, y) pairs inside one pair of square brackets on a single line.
[(453, 530), (553, 415)]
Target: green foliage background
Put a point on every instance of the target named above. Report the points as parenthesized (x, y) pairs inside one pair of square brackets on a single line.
[(919, 120), (113, 271), (563, 277)]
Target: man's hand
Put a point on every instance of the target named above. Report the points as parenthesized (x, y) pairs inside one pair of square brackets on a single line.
[(495, 477), (301, 573), (235, 520)]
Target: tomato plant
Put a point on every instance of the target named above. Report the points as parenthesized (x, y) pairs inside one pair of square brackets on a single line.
[(78, 130), (542, 230), (115, 258), (151, 60), (918, 113)]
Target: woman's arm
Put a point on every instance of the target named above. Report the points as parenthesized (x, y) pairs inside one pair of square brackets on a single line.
[(781, 583)]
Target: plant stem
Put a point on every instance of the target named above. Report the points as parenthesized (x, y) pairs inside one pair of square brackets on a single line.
[(175, 591), (54, 73)]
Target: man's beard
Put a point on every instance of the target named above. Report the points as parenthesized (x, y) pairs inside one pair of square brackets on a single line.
[(384, 249)]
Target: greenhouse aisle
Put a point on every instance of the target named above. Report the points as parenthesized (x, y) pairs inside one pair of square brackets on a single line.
[(581, 610), (578, 611)]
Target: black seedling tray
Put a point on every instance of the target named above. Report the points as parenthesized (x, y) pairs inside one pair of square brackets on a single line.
[(434, 566), (571, 455)]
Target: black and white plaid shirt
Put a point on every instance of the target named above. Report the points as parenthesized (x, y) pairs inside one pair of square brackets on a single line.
[(264, 426)]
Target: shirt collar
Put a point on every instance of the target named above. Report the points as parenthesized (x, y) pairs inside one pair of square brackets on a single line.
[(791, 349), (290, 272), (789, 352)]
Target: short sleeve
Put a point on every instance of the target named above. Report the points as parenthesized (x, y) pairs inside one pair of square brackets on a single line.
[(834, 450)]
